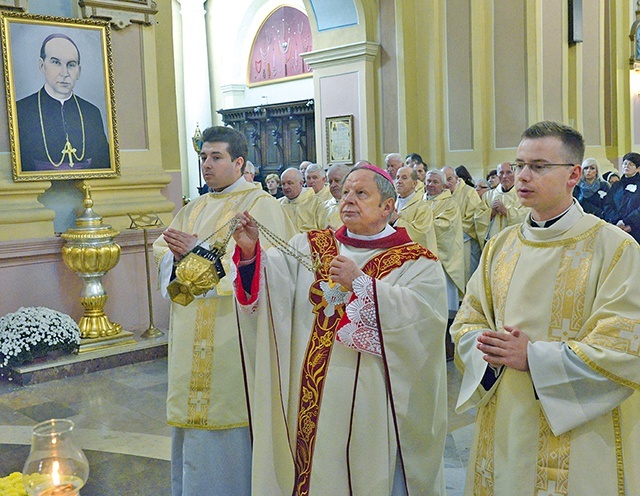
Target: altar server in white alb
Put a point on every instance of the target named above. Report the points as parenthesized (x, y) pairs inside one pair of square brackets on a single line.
[(548, 340), (349, 386)]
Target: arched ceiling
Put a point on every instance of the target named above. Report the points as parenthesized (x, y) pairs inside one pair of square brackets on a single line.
[(332, 14)]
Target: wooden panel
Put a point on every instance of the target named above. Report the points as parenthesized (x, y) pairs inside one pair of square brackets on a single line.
[(279, 136)]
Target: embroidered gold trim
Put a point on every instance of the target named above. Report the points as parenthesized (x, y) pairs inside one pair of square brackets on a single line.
[(208, 427), (583, 356), (567, 304), (561, 242), (199, 398), (617, 432), (484, 463), (552, 475), (616, 334), (617, 256), (503, 269)]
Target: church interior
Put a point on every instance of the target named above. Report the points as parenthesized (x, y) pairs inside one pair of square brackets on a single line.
[(456, 81)]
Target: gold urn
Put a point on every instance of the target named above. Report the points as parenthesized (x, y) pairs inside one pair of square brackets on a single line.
[(91, 252)]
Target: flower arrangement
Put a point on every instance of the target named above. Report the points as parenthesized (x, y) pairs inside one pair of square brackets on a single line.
[(34, 332), (12, 485)]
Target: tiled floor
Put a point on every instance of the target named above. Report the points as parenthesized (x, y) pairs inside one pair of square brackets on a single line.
[(120, 424)]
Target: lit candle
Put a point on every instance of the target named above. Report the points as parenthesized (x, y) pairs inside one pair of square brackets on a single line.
[(59, 489)]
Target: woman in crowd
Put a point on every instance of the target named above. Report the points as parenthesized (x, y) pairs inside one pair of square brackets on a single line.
[(482, 187), (273, 185), (622, 204), (493, 179), (611, 177), (592, 189)]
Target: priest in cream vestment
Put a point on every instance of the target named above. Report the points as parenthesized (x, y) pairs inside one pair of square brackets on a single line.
[(412, 212), (500, 207), (548, 340), (348, 361), (335, 175), (300, 203), (448, 227), (468, 201), (206, 400)]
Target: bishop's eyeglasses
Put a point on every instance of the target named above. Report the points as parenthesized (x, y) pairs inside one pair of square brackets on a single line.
[(536, 168)]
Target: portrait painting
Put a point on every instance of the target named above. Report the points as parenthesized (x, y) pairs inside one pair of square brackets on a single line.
[(60, 97)]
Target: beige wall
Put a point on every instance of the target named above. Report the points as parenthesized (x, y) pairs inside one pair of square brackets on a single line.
[(465, 78)]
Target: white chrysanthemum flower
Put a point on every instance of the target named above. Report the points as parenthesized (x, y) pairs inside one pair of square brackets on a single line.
[(32, 332)]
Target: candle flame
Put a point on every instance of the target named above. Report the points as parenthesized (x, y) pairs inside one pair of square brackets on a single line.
[(55, 473)]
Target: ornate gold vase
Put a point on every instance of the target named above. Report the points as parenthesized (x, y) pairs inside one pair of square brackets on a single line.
[(91, 252)]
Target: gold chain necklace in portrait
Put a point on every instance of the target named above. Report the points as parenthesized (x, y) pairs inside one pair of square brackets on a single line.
[(68, 148)]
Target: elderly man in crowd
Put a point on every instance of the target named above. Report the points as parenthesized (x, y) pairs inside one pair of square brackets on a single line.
[(335, 175), (547, 337), (315, 179), (300, 203), (421, 171), (393, 161), (448, 227), (362, 422), (468, 202), (500, 207), (412, 212), (303, 167)]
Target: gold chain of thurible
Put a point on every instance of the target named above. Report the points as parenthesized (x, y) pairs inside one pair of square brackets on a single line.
[(68, 149), (308, 262)]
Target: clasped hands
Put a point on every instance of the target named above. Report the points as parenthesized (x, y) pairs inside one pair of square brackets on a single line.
[(497, 207), (342, 270), (505, 348)]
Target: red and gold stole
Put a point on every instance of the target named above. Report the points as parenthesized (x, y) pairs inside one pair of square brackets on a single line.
[(324, 245)]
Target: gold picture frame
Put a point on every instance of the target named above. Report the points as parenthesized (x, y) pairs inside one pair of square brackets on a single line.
[(61, 125), (340, 140)]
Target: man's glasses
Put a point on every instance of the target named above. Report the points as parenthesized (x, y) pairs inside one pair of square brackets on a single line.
[(539, 169)]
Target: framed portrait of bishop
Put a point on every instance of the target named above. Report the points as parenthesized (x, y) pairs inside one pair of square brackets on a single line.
[(60, 97)]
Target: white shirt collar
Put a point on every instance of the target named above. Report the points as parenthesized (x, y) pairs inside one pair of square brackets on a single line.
[(387, 231), (230, 188)]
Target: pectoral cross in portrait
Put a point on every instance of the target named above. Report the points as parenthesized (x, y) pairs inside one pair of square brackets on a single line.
[(68, 150)]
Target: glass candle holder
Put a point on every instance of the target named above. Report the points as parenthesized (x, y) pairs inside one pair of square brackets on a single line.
[(55, 465)]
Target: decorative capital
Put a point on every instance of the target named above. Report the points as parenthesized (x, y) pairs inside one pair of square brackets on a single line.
[(363, 51), (20, 5), (121, 13)]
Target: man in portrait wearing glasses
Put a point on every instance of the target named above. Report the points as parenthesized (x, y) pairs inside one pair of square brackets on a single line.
[(499, 208), (58, 130), (548, 337)]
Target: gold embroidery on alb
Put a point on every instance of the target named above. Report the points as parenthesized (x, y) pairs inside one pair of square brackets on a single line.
[(202, 363), (618, 334), (486, 423), (567, 308), (505, 265), (552, 477)]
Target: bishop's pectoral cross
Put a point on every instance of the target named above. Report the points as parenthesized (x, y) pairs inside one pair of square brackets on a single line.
[(68, 150)]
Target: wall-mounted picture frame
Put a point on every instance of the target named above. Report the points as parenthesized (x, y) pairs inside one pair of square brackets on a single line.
[(340, 140), (60, 97)]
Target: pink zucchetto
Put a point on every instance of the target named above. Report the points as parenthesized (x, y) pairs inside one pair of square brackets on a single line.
[(375, 169)]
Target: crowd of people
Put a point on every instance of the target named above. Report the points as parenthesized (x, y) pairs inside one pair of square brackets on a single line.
[(317, 364)]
